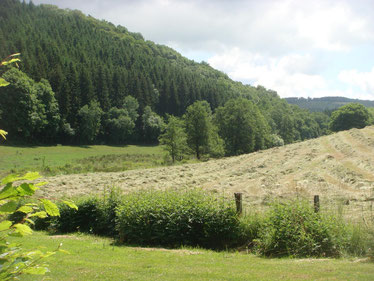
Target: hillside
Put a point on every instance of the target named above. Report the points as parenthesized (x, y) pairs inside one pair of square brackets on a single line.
[(338, 167), (326, 103), (70, 60), (84, 58)]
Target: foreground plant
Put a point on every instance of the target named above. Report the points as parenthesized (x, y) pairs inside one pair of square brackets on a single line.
[(8, 61), (14, 260)]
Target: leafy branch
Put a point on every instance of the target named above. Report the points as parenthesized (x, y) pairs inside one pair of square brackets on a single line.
[(7, 61), (15, 261)]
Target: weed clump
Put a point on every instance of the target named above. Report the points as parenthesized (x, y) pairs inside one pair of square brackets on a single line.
[(295, 229)]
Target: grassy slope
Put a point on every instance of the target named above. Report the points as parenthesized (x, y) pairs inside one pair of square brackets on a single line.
[(93, 258), (17, 159), (339, 167)]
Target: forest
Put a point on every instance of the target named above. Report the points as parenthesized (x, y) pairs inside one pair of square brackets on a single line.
[(86, 81), (326, 104)]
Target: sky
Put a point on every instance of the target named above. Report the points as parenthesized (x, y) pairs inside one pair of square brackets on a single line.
[(298, 48)]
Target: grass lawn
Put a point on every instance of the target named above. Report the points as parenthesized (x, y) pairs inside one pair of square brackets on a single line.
[(51, 160), (93, 258)]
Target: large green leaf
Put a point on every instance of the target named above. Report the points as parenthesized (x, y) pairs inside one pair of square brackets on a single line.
[(30, 176), (23, 229), (10, 61), (50, 207), (8, 207), (39, 270), (25, 209), (3, 82), (26, 189), (70, 204), (8, 191), (4, 225), (3, 133), (40, 214)]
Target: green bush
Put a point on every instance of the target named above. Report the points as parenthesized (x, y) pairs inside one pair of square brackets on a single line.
[(95, 215), (174, 218), (294, 229), (85, 219)]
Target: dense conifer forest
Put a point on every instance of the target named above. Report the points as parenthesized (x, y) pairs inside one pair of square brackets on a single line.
[(82, 80)]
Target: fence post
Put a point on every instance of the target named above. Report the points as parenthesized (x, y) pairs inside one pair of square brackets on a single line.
[(316, 203), (238, 202)]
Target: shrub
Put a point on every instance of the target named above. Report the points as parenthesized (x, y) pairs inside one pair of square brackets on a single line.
[(84, 219), (95, 215), (294, 229), (174, 218), (250, 226)]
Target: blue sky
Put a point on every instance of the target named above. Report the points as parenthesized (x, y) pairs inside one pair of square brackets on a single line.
[(298, 48)]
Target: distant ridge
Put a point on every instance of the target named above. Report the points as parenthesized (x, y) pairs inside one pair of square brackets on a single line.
[(326, 103)]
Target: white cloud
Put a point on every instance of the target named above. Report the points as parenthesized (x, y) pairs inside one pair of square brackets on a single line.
[(290, 75), (364, 81), (270, 27)]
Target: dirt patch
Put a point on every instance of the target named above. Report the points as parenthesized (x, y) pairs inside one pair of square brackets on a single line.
[(73, 237), (177, 251)]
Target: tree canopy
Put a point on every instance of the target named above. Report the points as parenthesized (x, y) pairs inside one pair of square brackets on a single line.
[(241, 126), (201, 134), (350, 116)]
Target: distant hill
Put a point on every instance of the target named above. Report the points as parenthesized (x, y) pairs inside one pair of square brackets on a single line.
[(326, 103)]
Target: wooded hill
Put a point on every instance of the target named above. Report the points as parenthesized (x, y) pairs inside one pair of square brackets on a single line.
[(86, 60), (326, 103)]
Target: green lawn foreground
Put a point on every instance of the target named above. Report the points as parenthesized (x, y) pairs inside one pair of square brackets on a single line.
[(94, 258), (18, 158)]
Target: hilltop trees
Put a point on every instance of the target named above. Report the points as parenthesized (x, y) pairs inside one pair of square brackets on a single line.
[(349, 116)]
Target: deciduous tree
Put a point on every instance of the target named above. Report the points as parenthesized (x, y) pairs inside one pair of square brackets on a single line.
[(90, 121), (349, 116), (202, 136), (174, 138)]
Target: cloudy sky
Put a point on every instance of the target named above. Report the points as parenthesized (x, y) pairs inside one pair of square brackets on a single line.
[(299, 48)]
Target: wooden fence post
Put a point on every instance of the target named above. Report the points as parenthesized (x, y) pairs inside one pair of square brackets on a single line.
[(316, 203), (238, 202)]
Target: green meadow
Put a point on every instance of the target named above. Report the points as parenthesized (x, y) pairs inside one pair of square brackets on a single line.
[(94, 258), (52, 160)]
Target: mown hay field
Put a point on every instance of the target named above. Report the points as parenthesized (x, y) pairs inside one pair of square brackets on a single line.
[(338, 167)]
